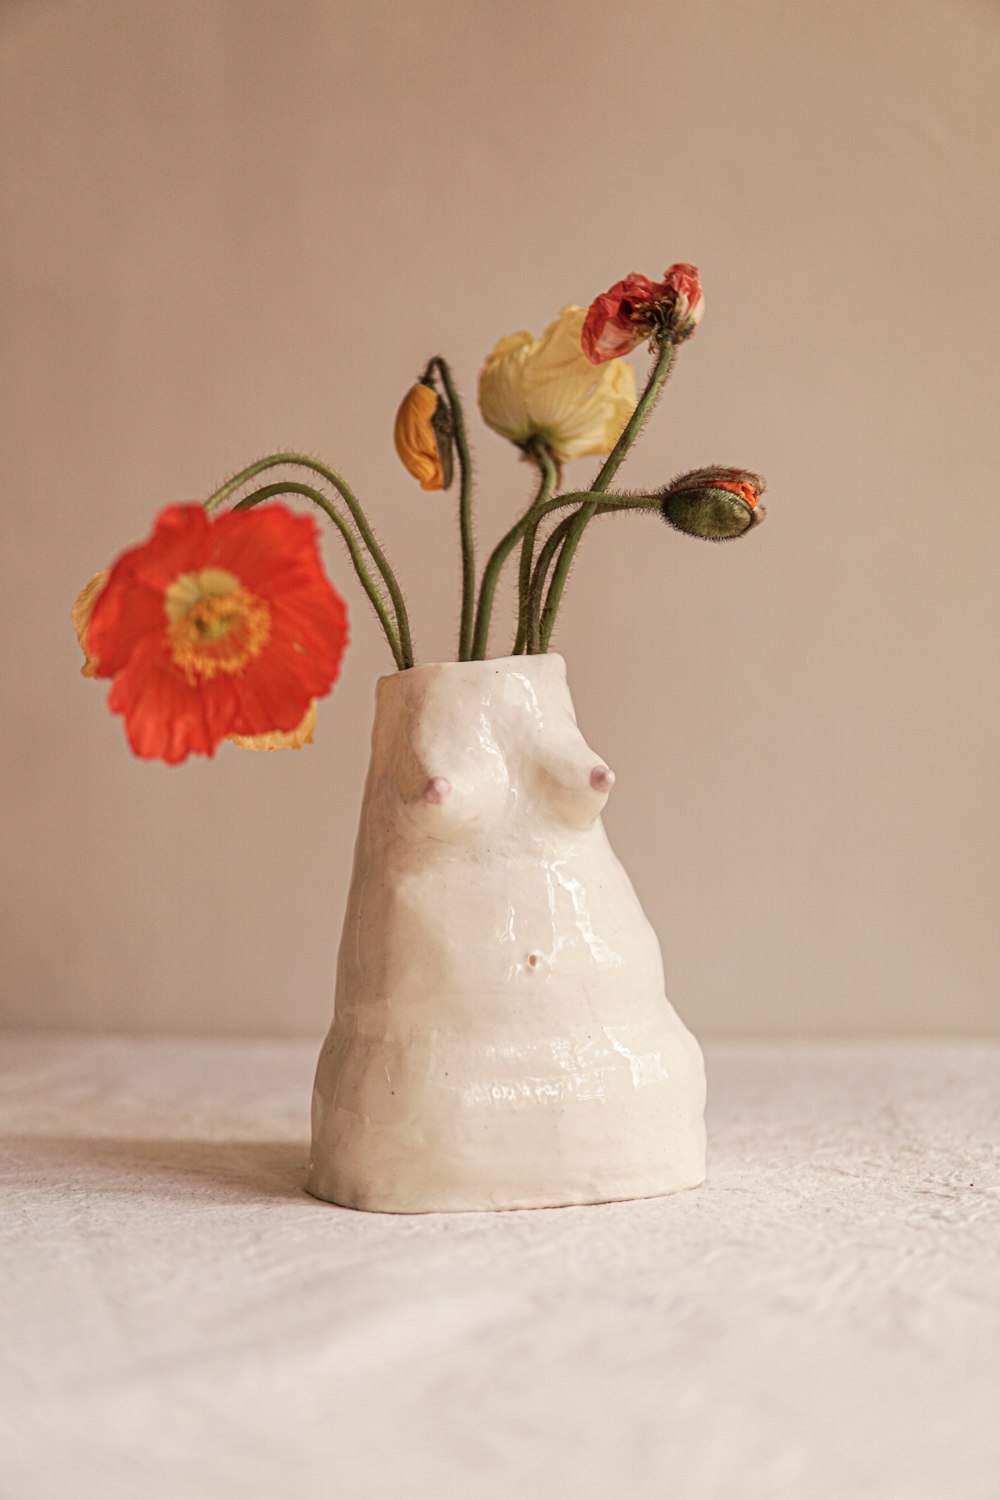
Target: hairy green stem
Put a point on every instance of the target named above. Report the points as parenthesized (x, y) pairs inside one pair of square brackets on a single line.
[(504, 547), (574, 534), (536, 597), (465, 519), (350, 499), (292, 487), (548, 469), (540, 622), (654, 385), (244, 476)]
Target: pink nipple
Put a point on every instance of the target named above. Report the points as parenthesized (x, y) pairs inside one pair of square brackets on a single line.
[(602, 779), (437, 790)]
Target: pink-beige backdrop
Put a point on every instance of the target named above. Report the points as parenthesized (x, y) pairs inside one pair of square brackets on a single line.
[(234, 225)]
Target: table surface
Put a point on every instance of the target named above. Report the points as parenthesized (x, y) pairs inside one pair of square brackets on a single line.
[(179, 1320)]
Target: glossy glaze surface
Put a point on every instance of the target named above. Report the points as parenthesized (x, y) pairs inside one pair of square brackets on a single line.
[(501, 1036)]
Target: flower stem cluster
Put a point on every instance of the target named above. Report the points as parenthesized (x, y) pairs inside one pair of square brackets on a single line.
[(208, 637)]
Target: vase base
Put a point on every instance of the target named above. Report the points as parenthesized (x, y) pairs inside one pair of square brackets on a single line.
[(481, 1182), (365, 1203), (455, 1122)]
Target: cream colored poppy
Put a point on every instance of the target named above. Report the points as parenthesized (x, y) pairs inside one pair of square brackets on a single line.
[(82, 611), (547, 388), (301, 735)]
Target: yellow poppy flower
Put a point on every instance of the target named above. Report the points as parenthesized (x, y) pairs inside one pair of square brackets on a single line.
[(547, 388)]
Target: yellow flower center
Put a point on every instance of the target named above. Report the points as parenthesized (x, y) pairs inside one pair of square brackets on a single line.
[(215, 625)]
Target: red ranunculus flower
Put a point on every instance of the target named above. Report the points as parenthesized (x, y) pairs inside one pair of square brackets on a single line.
[(217, 627), (616, 321), (683, 285), (637, 309)]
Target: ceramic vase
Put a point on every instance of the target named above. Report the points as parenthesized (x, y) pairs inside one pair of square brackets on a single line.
[(501, 1037)]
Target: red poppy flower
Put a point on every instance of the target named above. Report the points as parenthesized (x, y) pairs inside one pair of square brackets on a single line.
[(684, 299), (616, 320), (217, 627), (636, 309)]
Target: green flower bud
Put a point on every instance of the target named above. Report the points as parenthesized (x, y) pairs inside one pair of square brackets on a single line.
[(715, 504)]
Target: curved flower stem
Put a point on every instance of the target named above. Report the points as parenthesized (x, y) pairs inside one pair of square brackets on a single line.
[(654, 385), (546, 464), (645, 404), (504, 547), (292, 487), (244, 476), (464, 507), (541, 622), (350, 499), (537, 595)]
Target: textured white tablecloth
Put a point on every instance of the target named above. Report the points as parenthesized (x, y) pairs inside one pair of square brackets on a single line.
[(180, 1322)]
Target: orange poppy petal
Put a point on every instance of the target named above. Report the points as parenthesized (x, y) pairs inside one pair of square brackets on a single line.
[(316, 633), (130, 608), (273, 695), (301, 735), (271, 550), (167, 718), (166, 628)]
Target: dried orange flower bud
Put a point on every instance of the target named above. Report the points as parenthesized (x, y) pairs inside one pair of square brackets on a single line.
[(423, 437)]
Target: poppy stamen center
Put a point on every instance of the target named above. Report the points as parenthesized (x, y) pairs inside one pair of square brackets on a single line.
[(216, 625)]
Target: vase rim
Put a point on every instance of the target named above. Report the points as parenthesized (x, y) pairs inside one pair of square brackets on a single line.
[(523, 663)]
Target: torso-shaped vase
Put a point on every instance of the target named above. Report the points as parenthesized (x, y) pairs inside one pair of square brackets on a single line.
[(501, 1036)]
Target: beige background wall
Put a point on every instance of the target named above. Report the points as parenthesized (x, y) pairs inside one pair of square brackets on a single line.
[(235, 224)]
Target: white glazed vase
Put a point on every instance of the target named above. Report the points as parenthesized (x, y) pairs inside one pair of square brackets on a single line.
[(501, 1037)]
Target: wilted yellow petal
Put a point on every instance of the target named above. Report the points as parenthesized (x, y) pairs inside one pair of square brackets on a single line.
[(548, 388), (82, 611), (501, 387), (301, 735), (414, 437)]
